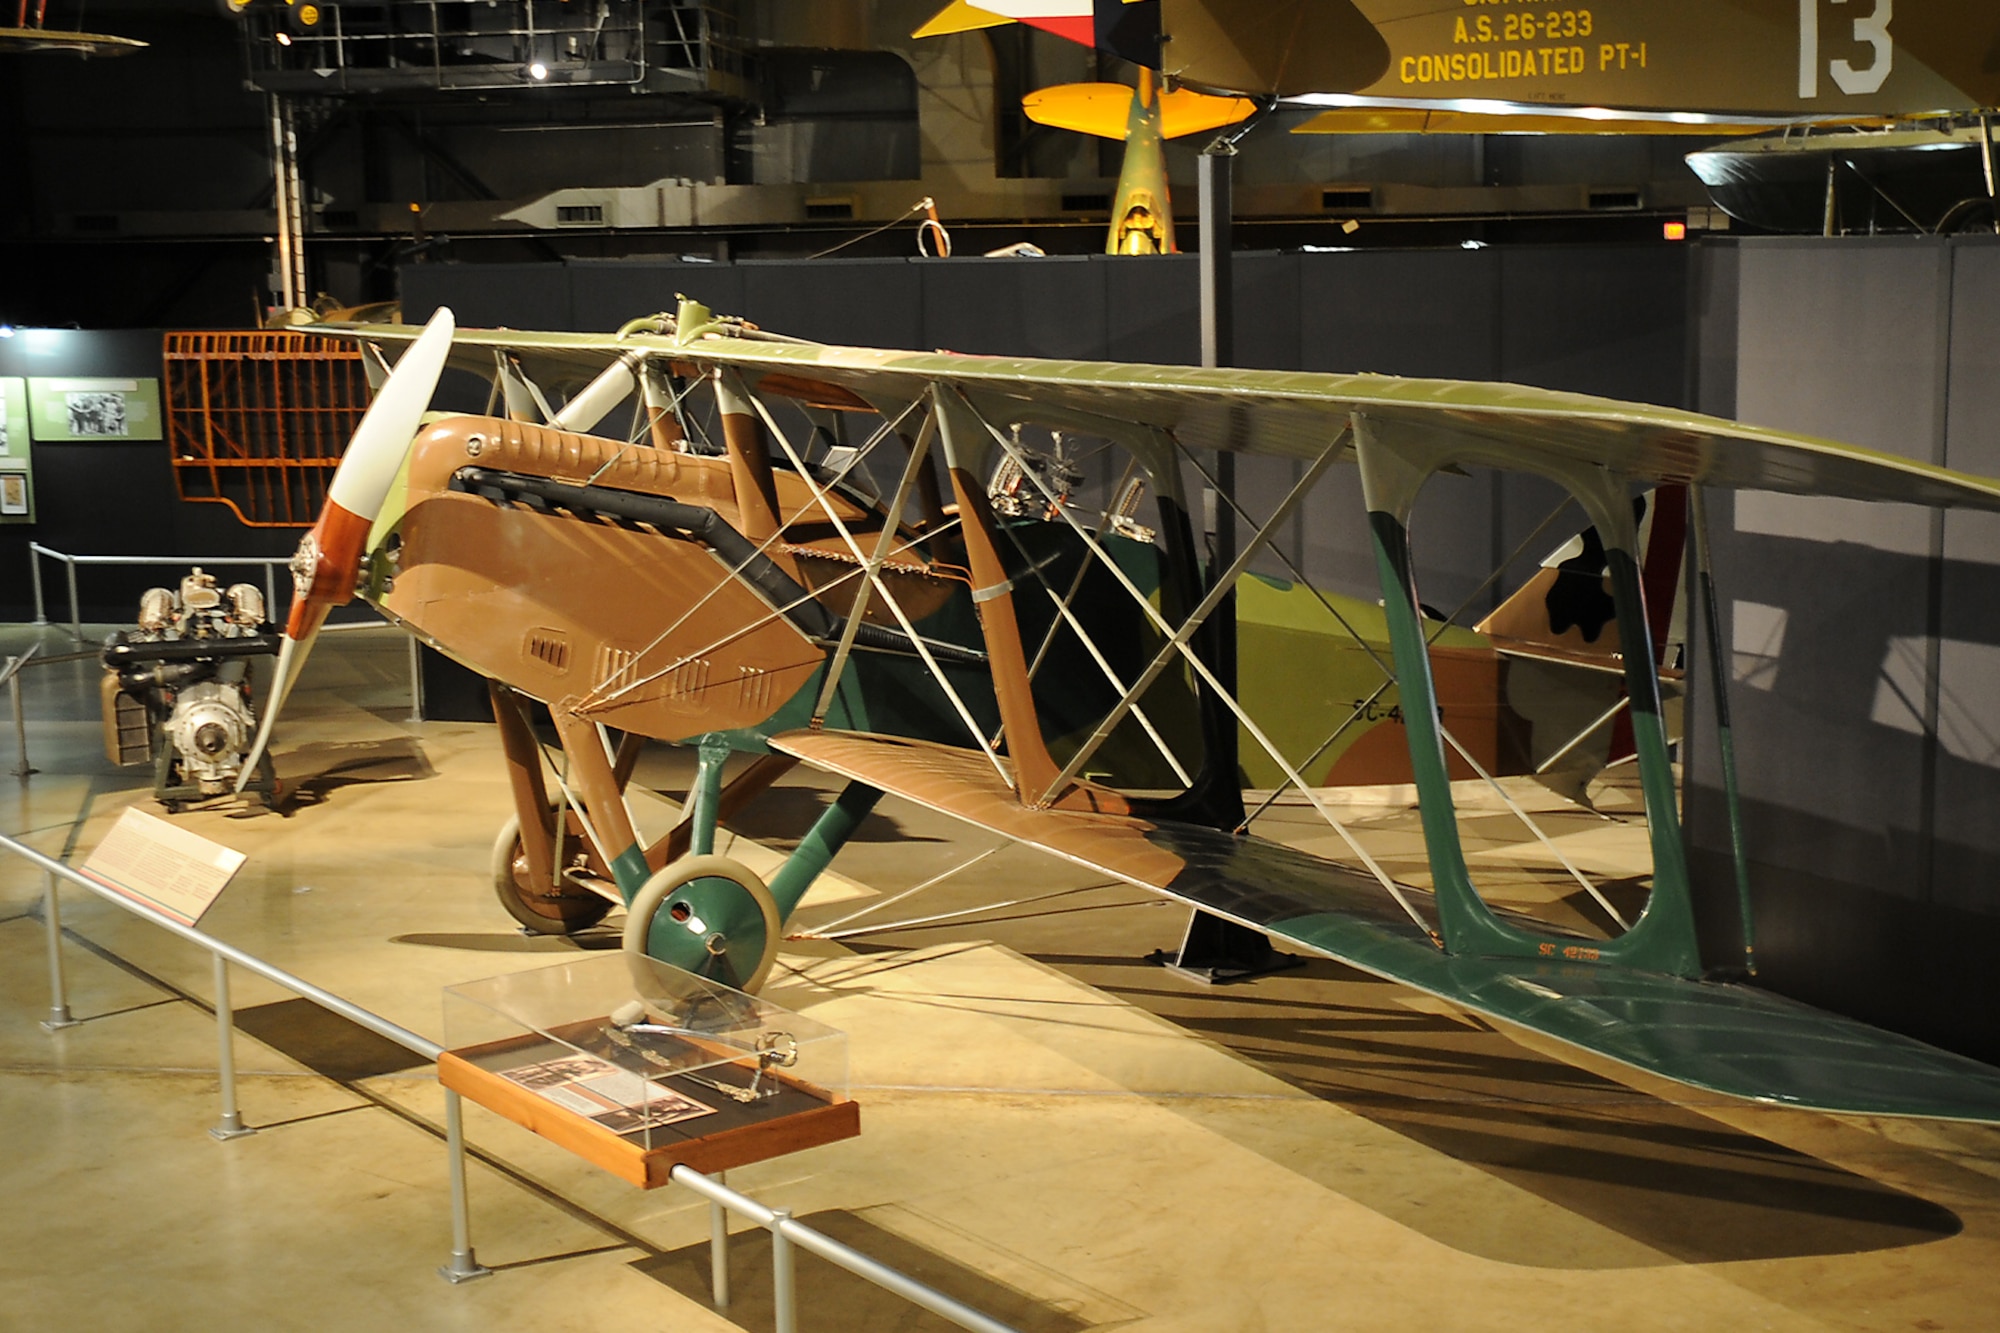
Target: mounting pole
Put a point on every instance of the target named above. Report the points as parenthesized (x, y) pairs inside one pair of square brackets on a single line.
[(1986, 160), (1214, 949), (1218, 348), (289, 200)]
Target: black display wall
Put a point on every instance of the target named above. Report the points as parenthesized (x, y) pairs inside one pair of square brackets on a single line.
[(1863, 641), (111, 498)]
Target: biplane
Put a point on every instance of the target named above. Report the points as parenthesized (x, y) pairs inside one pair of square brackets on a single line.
[(769, 564)]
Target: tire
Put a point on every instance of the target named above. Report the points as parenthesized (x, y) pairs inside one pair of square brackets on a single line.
[(665, 883), (542, 912)]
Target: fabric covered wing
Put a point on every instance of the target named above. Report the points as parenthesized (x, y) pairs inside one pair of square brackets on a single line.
[(1730, 1039), (1288, 413)]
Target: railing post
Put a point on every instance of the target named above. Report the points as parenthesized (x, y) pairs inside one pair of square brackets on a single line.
[(270, 592), (718, 1248), (59, 1015), (75, 609), (784, 1280), (230, 1125), (35, 575), (416, 680), (23, 768), (464, 1267)]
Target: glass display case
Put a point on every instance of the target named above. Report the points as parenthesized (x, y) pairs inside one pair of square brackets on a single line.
[(638, 1066)]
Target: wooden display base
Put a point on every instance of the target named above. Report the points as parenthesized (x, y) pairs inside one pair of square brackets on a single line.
[(735, 1134)]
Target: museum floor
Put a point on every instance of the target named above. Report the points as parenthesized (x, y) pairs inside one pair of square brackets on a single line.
[(1054, 1130)]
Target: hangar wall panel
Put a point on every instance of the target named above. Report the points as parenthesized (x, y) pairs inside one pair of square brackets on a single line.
[(1863, 642)]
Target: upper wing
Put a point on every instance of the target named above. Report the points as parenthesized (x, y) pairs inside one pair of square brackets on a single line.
[(1290, 413), (1730, 1039)]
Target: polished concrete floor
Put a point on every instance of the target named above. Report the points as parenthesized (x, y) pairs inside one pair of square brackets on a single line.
[(1054, 1130)]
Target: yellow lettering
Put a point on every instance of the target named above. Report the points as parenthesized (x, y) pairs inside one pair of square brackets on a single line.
[(1406, 71), (1458, 33), (1604, 54)]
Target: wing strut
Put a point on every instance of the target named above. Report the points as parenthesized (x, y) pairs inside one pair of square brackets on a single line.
[(888, 599), (1663, 939), (1389, 678), (1208, 676), (1725, 743), (919, 460)]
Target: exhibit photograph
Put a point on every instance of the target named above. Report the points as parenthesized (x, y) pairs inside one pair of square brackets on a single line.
[(1008, 664)]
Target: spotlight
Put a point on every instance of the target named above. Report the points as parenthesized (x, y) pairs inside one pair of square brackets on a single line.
[(1675, 231), (538, 71), (284, 38)]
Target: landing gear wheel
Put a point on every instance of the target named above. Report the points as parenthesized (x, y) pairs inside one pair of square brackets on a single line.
[(528, 894), (665, 883)]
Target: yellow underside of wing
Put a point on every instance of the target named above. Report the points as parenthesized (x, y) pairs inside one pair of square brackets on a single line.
[(1104, 109)]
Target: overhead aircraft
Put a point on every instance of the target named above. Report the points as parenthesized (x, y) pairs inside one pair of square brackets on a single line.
[(1657, 65), (31, 32), (740, 583), (1886, 84)]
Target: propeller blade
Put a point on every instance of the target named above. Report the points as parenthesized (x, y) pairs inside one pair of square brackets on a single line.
[(329, 558), (375, 454), (292, 654)]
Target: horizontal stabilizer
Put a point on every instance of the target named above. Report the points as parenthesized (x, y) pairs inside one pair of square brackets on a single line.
[(1104, 109)]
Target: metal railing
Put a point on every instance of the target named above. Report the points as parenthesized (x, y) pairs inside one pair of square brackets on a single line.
[(270, 563), (36, 552), (785, 1233), (463, 1265)]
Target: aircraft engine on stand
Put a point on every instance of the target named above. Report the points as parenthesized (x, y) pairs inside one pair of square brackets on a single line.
[(178, 689)]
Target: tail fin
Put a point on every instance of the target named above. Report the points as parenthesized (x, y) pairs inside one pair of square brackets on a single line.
[(1566, 610)]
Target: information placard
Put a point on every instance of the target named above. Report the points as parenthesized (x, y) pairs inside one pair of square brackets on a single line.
[(17, 482), (162, 865), (90, 411)]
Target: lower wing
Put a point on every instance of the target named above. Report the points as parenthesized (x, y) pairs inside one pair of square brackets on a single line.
[(1719, 1037)]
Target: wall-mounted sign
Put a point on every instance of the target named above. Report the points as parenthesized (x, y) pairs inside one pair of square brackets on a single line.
[(89, 411), (17, 497), (13, 418), (17, 483)]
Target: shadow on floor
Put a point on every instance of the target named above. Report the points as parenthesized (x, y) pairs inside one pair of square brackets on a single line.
[(831, 1299), (314, 771), (1660, 1174), (324, 1042), (1664, 1176)]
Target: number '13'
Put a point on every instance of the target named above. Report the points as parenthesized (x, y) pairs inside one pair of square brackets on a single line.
[(1873, 31)]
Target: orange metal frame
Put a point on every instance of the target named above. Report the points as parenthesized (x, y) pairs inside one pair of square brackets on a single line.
[(259, 421)]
